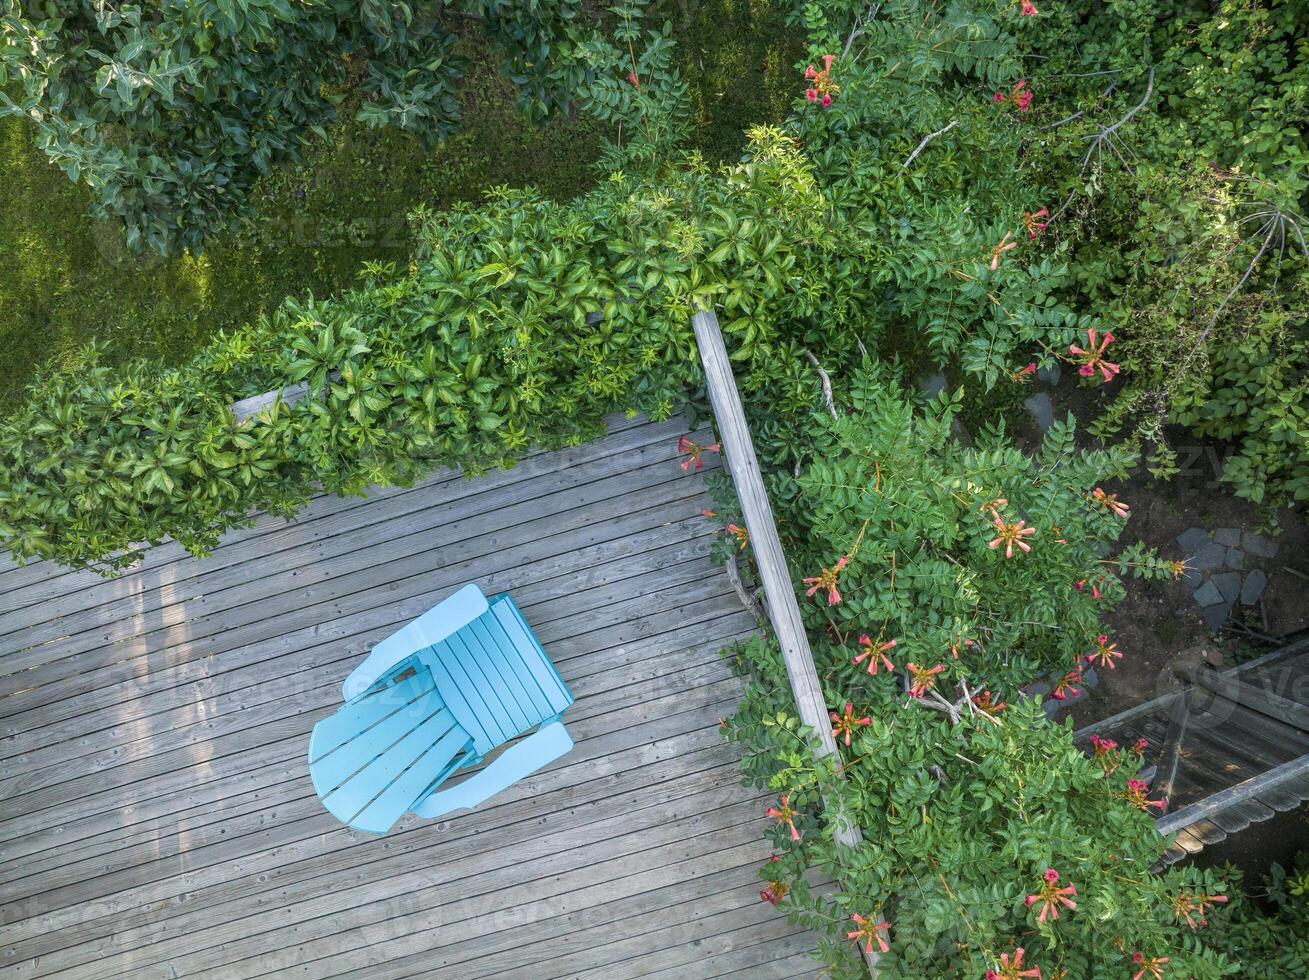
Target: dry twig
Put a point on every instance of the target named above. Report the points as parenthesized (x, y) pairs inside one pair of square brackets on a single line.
[(927, 139), (827, 383)]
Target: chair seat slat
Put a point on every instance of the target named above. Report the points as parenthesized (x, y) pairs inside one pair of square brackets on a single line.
[(351, 719), (437, 762)]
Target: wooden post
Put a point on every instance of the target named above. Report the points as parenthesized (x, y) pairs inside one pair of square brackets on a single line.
[(783, 610)]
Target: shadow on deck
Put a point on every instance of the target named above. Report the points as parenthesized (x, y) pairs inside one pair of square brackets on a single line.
[(156, 813)]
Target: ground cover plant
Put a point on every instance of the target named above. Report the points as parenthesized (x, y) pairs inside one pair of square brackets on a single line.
[(66, 281)]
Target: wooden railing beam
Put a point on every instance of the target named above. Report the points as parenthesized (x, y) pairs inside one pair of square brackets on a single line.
[(783, 609)]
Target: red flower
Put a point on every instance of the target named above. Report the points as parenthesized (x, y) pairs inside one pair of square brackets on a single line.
[(785, 816), (1067, 686), (1104, 748), (922, 679), (958, 642), (1028, 9), (874, 653), (775, 892), (986, 702), (1105, 653), (1010, 535), (1153, 965), (631, 77), (1021, 96), (1092, 357), (827, 580), (999, 250), (1110, 502), (1185, 903), (1140, 745), (1051, 896), (695, 451), (1136, 793), (822, 89), (1023, 373), (869, 932), (1080, 586), (847, 724), (1033, 224), (1103, 745), (741, 534), (1012, 969)]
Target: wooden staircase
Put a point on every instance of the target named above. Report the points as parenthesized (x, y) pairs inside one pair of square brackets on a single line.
[(1229, 749)]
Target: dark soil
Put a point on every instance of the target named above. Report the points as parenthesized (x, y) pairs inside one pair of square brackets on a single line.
[(1160, 624), (1257, 848)]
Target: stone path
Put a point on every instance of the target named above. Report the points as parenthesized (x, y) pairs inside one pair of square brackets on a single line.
[(1219, 567)]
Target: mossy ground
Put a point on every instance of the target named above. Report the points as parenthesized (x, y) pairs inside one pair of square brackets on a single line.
[(66, 279)]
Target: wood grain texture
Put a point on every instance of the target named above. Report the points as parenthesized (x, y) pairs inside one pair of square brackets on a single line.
[(156, 815)]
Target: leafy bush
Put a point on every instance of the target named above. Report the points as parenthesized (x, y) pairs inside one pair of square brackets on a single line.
[(169, 112), (1176, 163), (925, 623), (484, 349), (1274, 945)]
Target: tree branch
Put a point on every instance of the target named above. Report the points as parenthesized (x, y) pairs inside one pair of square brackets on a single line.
[(860, 25), (1099, 139), (750, 602), (927, 139), (826, 379)]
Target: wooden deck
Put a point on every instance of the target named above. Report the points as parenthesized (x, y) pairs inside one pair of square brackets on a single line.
[(1228, 750), (156, 814)]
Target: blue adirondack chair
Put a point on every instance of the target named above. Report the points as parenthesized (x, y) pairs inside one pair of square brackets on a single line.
[(434, 698)]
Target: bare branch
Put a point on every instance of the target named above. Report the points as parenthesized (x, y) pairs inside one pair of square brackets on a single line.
[(1272, 227), (1077, 115), (1105, 138), (860, 25), (750, 602), (826, 379), (1099, 139), (927, 139)]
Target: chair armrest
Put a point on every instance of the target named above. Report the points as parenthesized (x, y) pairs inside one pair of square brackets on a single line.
[(448, 616), (539, 749)]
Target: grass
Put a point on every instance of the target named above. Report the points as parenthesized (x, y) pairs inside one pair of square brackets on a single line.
[(66, 279)]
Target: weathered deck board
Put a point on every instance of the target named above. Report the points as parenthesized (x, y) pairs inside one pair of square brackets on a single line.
[(156, 816)]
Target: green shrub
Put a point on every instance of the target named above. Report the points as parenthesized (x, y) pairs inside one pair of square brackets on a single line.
[(169, 112), (482, 350), (965, 793), (1186, 222)]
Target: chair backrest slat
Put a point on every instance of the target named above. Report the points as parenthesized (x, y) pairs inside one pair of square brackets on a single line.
[(533, 656), (525, 695), (502, 691)]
